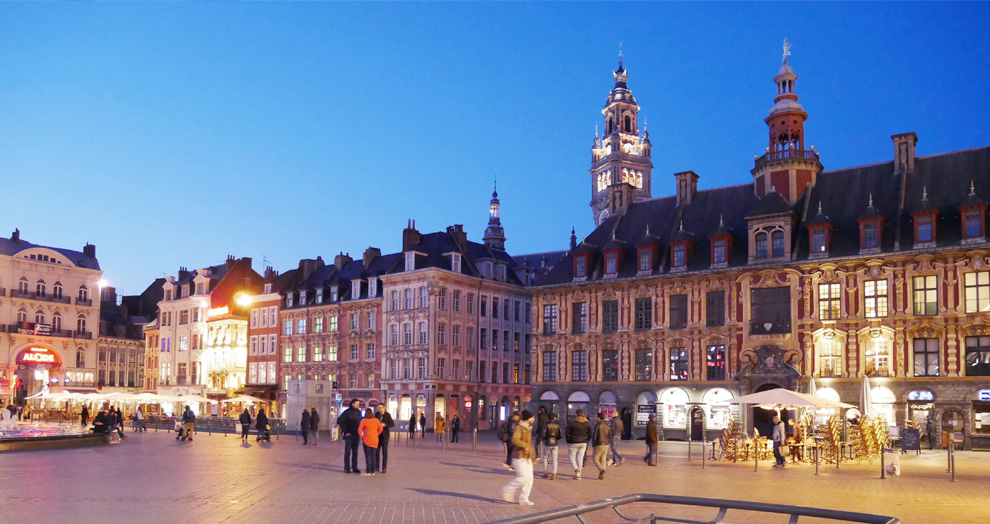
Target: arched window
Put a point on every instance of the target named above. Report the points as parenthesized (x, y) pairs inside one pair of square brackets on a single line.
[(761, 245), (39, 317), (83, 293), (80, 358), (56, 322), (608, 127), (39, 290), (57, 290), (628, 123), (777, 239), (22, 315), (81, 324)]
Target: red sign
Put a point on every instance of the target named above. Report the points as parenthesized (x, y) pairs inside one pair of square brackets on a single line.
[(37, 356)]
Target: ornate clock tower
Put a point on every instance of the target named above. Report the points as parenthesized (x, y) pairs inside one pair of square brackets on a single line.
[(620, 160)]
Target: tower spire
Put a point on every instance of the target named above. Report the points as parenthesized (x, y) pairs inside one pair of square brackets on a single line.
[(494, 234)]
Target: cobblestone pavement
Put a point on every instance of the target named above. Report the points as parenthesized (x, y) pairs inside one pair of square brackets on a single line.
[(152, 478)]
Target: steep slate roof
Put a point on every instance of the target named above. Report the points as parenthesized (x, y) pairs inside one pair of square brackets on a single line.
[(844, 195), (13, 247)]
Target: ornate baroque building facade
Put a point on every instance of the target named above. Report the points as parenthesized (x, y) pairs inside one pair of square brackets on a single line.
[(675, 303)]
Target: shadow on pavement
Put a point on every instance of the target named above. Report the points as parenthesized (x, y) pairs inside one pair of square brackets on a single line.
[(455, 494)]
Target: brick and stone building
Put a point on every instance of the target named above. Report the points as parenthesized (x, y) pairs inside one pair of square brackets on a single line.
[(798, 274)]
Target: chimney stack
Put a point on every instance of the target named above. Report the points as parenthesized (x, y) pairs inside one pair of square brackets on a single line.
[(16, 235), (341, 260), (370, 255), (687, 186), (457, 231), (88, 250), (904, 145), (410, 236)]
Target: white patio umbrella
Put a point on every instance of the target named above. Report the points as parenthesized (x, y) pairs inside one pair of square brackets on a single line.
[(244, 399), (192, 399), (781, 398), (812, 387), (866, 398), (150, 397)]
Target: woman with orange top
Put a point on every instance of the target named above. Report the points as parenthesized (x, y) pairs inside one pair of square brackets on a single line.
[(369, 429)]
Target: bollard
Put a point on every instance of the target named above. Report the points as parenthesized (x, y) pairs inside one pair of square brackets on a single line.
[(815, 449), (474, 443), (948, 457), (953, 463), (883, 467), (756, 457), (703, 454), (689, 449)]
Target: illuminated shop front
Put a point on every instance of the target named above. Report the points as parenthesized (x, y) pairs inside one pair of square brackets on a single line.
[(883, 404), (37, 366), (921, 405), (674, 404), (716, 404)]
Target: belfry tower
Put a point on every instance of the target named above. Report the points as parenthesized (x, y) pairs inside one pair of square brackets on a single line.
[(494, 234), (787, 167), (620, 161)]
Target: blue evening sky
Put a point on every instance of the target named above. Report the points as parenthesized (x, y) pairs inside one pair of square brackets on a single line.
[(175, 134)]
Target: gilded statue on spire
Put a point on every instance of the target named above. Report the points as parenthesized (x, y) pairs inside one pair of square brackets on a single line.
[(787, 50)]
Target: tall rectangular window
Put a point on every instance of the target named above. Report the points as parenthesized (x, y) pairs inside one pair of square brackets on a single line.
[(456, 297), (332, 353), (829, 301), (770, 309), (977, 356), (973, 224), (470, 303), (406, 369), (644, 313), (505, 373), (455, 336), (301, 326), (421, 365), (678, 311), (442, 334), (423, 333), (926, 357), (455, 370), (395, 300), (925, 228), (355, 352), (875, 293), (408, 295), (611, 262), (644, 365), (580, 266), (610, 365), (516, 306), (549, 366), (355, 321), (483, 338), (678, 364), (494, 307), (406, 334), (423, 300), (579, 366), (394, 339), (610, 316), (715, 308), (442, 298), (494, 372), (333, 323), (645, 259), (469, 337), (482, 371), (549, 319), (484, 306), (579, 317), (680, 257), (370, 351), (469, 371), (977, 292), (716, 362), (818, 240), (871, 235), (441, 372), (925, 295), (777, 243), (495, 339), (718, 251), (317, 354)]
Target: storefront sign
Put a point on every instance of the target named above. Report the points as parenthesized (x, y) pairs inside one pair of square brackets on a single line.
[(983, 395), (37, 356), (217, 311), (643, 412), (44, 330), (608, 408)]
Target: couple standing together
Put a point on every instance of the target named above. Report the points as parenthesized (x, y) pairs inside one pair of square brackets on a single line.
[(373, 432)]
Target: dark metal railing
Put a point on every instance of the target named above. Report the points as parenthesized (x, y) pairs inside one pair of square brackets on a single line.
[(723, 506), (788, 154)]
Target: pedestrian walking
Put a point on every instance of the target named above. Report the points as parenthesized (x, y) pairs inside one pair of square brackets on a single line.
[(245, 421), (505, 432), (438, 427), (616, 437), (422, 425), (778, 436), (549, 438), (84, 416), (412, 427), (387, 423), (601, 439), (304, 426), (540, 426), (261, 423), (188, 423), (522, 461), (138, 419), (314, 426), (578, 435), (118, 422), (349, 421), (455, 428), (930, 430), (369, 429), (652, 441)]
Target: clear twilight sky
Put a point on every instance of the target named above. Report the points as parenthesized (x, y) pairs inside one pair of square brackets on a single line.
[(175, 134)]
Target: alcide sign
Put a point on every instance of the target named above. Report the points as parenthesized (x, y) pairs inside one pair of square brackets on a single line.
[(37, 356)]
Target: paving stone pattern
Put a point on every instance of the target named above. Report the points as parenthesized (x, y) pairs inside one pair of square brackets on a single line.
[(151, 478)]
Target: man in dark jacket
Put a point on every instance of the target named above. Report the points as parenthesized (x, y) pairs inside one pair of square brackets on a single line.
[(578, 435), (616, 437), (510, 427), (540, 426), (387, 422), (304, 426), (455, 428), (100, 423), (601, 439), (422, 425), (349, 421), (188, 423), (245, 421), (84, 416), (549, 439), (651, 441), (314, 426), (412, 427), (930, 430)]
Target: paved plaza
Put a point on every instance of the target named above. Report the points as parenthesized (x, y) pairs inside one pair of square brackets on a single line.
[(152, 478)]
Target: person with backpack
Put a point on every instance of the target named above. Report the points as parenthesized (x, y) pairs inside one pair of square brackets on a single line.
[(578, 435), (549, 438), (505, 435)]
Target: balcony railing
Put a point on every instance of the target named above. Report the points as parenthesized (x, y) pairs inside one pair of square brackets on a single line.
[(769, 328), (787, 154), (83, 301), (31, 295), (83, 334)]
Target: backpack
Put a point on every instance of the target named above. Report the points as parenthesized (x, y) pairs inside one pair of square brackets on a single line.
[(503, 432)]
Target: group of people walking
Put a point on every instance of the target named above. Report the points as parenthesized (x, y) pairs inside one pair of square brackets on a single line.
[(260, 423), (527, 436), (309, 427), (372, 430)]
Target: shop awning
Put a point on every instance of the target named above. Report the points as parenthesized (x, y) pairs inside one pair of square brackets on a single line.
[(263, 392)]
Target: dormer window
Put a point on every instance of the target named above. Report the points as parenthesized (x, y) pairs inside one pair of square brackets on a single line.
[(373, 287), (580, 266), (777, 243), (319, 295), (719, 251), (611, 263), (973, 223), (455, 262), (645, 259), (288, 299), (199, 288), (870, 235), (333, 294), (268, 289), (925, 228), (761, 245), (679, 256), (355, 290), (302, 298), (500, 272), (410, 261)]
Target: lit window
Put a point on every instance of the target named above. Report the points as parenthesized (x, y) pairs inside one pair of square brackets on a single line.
[(978, 292), (925, 295), (829, 301), (875, 292)]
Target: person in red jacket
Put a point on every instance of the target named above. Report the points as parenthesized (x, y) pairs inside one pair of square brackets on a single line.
[(369, 429)]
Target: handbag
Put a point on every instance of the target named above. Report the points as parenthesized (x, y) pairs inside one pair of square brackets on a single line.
[(785, 450)]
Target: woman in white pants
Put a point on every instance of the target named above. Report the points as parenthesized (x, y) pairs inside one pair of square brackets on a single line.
[(522, 461)]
